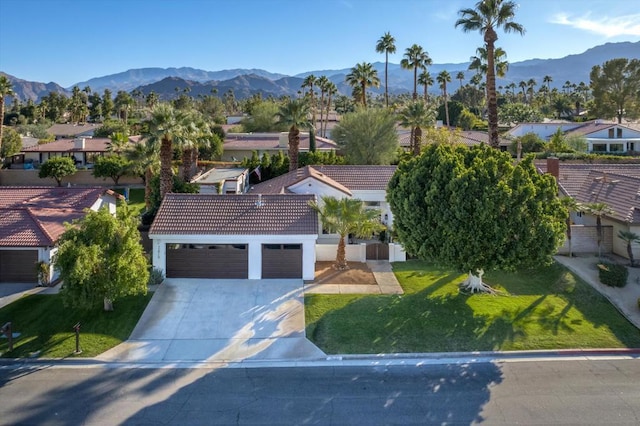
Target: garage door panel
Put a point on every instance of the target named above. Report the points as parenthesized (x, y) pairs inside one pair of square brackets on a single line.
[(18, 266), (208, 261), (281, 261)]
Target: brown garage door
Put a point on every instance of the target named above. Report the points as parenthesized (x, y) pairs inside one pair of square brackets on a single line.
[(207, 261), (282, 261), (18, 266)]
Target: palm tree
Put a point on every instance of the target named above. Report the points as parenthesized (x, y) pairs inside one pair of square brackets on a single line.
[(416, 115), (6, 89), (630, 238), (479, 63), (531, 84), (363, 75), (145, 159), (547, 79), (443, 78), (346, 216), (386, 45), (331, 90), (425, 79), (570, 204), (598, 210), (323, 84), (460, 77), (309, 81), (194, 130), (488, 16), (415, 57), (164, 126), (294, 114)]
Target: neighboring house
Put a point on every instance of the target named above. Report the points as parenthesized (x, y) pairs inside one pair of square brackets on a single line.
[(366, 183), (616, 185), (83, 150), (235, 236), (71, 131), (601, 136), (32, 220), (242, 145), (223, 181)]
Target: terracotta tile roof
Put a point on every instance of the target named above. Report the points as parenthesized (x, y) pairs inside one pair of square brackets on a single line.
[(68, 145), (35, 216), (344, 178), (215, 214), (72, 129), (271, 141), (617, 185)]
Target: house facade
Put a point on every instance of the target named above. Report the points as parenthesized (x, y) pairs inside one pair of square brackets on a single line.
[(223, 181), (32, 219)]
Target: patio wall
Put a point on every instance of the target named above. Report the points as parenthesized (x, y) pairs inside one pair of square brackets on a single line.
[(584, 239), (16, 177), (355, 252)]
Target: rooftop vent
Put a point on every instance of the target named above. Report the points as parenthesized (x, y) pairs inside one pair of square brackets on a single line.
[(259, 203)]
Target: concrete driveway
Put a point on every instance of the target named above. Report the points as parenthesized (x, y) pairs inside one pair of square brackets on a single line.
[(220, 320)]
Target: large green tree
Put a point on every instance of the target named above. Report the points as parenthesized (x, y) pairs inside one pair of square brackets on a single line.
[(487, 17), (367, 136), (11, 143), (111, 166), (57, 168), (386, 44), (616, 88), (100, 259), (474, 210), (346, 216), (6, 90), (362, 76), (294, 114)]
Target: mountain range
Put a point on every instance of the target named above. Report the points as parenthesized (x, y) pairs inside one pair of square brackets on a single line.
[(169, 82)]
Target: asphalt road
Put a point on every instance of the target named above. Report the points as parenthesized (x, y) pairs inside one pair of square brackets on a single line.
[(577, 392)]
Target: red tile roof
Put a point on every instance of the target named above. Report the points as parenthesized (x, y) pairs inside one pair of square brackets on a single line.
[(35, 216), (68, 145), (217, 214), (271, 141), (344, 178)]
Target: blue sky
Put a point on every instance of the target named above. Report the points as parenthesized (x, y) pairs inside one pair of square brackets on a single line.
[(69, 41)]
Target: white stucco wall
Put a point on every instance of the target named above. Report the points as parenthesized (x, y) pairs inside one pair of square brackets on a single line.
[(354, 252)]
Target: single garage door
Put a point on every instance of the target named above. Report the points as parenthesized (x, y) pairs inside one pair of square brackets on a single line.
[(282, 261), (207, 261), (18, 266)]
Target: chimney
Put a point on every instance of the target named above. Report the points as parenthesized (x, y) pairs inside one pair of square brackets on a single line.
[(283, 141), (78, 143), (553, 167)]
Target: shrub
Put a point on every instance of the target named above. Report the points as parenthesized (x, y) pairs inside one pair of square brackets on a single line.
[(613, 275), (155, 276)]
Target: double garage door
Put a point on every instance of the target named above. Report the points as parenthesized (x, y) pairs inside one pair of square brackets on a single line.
[(18, 266), (232, 261)]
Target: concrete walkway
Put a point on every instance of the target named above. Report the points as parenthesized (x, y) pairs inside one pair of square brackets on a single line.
[(625, 299), (386, 283), (9, 292)]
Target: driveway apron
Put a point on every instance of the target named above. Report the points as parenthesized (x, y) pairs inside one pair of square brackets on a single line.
[(220, 320)]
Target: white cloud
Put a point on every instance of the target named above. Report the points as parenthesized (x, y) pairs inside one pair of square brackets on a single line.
[(609, 27)]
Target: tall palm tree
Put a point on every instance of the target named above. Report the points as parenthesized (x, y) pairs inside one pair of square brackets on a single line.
[(309, 81), (479, 63), (630, 238), (323, 84), (460, 77), (145, 160), (194, 130), (531, 84), (6, 89), (164, 125), (486, 17), (425, 79), (547, 80), (346, 216), (331, 90), (416, 115), (363, 75), (415, 57), (294, 114), (386, 45), (443, 78), (598, 210)]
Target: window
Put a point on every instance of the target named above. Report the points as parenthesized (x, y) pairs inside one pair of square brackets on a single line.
[(610, 133), (616, 147), (618, 133), (599, 147), (372, 203)]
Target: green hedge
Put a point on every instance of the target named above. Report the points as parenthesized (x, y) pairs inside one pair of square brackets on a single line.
[(613, 275)]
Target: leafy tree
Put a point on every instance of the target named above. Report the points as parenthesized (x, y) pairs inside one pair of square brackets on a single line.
[(346, 216), (474, 210), (6, 89), (107, 104), (629, 238), (616, 88), (57, 168), (262, 118), (362, 76), (123, 103), (56, 106), (178, 186), (11, 143), (577, 143), (416, 115), (294, 114), (467, 120), (557, 142), (486, 17), (415, 58), (529, 142), (111, 166), (386, 44), (110, 127), (100, 258), (455, 108), (518, 112), (598, 210), (367, 136)]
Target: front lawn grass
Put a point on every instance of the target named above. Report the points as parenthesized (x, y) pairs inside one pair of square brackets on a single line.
[(46, 326), (136, 199), (546, 308)]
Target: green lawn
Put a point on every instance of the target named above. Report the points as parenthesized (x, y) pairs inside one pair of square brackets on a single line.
[(548, 308), (136, 199), (46, 326)]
